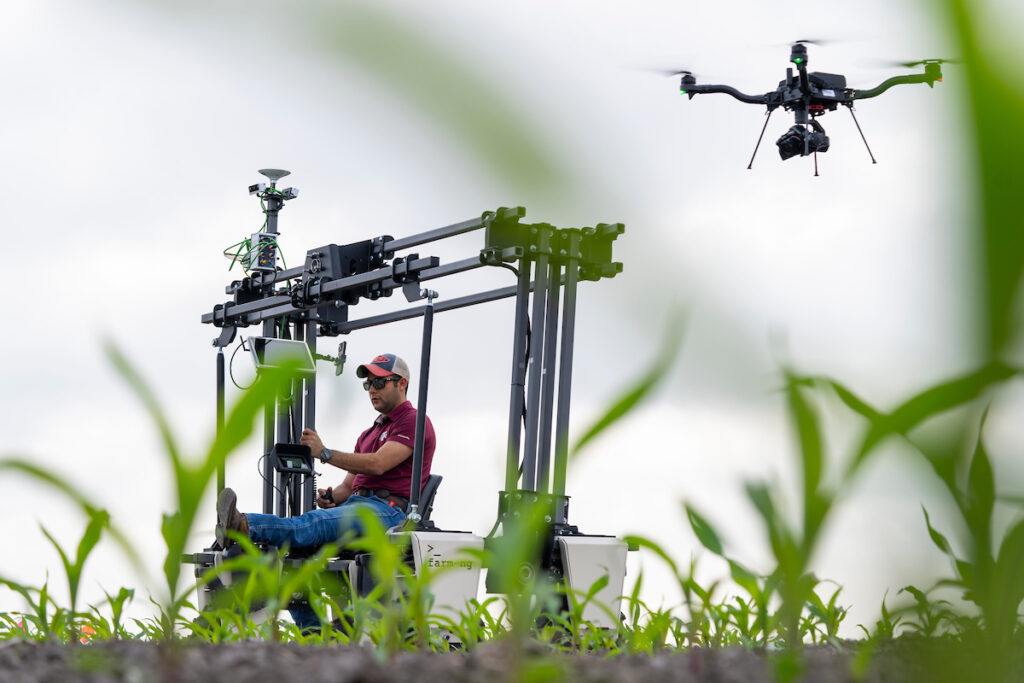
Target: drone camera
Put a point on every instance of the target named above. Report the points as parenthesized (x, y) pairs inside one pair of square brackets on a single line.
[(290, 192), (798, 140), (257, 188)]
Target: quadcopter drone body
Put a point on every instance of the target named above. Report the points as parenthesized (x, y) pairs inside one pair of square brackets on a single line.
[(810, 95)]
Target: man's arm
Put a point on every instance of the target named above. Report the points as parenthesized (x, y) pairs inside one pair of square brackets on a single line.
[(339, 494), (387, 457)]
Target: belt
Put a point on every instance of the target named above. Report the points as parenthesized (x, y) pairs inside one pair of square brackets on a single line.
[(392, 500)]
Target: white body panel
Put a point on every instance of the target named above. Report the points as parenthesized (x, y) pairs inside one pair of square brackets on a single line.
[(458, 575), (588, 558)]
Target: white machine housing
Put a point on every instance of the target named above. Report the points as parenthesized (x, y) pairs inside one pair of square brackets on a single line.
[(457, 572), (586, 559)]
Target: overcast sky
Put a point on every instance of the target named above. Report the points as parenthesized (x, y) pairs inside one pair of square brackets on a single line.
[(131, 131)]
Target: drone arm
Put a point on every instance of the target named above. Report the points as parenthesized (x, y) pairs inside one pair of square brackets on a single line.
[(928, 78), (692, 90)]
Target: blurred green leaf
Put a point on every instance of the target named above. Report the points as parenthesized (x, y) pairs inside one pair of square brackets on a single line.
[(996, 104), (703, 530), (805, 421), (981, 497), (929, 403), (87, 506), (938, 539), (657, 372), (850, 399), (474, 108), (1007, 590)]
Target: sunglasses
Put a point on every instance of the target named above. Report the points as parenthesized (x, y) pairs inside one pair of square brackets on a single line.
[(379, 383)]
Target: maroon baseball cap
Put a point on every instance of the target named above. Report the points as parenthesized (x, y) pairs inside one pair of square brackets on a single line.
[(384, 365)]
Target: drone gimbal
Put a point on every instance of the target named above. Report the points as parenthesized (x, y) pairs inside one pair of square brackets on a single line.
[(810, 95)]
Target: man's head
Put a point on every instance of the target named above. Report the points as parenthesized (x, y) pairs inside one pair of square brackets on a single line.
[(386, 379)]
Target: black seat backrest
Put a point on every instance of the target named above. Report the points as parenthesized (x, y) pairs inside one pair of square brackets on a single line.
[(427, 495)]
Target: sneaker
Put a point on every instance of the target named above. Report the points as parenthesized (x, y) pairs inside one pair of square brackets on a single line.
[(229, 518)]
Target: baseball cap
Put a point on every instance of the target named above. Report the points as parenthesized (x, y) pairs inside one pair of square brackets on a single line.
[(384, 365)]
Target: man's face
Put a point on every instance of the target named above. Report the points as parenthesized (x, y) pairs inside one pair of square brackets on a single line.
[(388, 397)]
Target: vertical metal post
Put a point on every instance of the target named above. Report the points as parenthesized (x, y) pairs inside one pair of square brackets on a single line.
[(269, 330), (284, 434), (295, 411), (548, 373), (421, 409), (540, 290), (274, 206), (516, 399), (220, 412), (309, 414), (565, 367)]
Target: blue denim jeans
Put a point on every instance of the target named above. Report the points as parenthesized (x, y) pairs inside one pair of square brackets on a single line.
[(320, 526), (315, 528)]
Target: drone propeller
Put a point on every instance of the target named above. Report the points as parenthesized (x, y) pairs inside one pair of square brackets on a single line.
[(667, 72), (910, 65), (819, 42)]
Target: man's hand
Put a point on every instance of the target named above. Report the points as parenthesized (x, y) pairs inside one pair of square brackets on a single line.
[(325, 498), (312, 439)]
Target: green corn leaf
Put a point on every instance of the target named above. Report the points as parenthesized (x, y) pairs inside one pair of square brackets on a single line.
[(658, 370), (851, 400), (1007, 589), (929, 403), (745, 579), (703, 530), (980, 501), (642, 542), (88, 507), (148, 400), (938, 539), (812, 455), (441, 87), (996, 107)]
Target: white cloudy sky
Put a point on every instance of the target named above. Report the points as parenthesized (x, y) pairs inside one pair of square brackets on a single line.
[(131, 131)]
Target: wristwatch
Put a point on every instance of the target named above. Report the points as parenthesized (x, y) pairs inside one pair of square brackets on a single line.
[(325, 454)]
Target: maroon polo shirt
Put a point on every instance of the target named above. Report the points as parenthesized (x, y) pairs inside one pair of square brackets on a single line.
[(399, 426)]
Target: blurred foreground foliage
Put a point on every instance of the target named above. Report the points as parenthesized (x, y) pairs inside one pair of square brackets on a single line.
[(968, 624)]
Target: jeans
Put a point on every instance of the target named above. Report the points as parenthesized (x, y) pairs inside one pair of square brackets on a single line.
[(317, 527)]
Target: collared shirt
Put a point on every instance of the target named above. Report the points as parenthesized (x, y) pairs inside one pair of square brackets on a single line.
[(399, 426)]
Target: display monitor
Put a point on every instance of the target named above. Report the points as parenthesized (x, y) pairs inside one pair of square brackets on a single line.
[(268, 352)]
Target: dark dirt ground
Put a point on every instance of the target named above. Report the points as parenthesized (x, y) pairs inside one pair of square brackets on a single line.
[(139, 662)]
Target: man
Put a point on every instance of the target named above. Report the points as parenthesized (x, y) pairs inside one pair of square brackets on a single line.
[(379, 470)]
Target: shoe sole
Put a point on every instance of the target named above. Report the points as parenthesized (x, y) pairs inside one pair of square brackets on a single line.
[(227, 500)]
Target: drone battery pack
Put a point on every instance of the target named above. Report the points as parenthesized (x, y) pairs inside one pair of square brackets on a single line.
[(291, 458)]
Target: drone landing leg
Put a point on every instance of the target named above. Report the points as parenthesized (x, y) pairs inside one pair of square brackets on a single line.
[(767, 117), (862, 136), (815, 164)]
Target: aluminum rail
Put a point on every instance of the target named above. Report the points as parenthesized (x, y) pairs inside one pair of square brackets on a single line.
[(391, 246), (261, 309)]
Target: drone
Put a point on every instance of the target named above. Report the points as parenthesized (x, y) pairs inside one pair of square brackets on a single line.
[(810, 95)]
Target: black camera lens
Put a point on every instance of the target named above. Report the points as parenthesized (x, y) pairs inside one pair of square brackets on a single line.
[(792, 142)]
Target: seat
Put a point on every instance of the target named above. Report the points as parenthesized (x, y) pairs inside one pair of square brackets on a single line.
[(427, 495)]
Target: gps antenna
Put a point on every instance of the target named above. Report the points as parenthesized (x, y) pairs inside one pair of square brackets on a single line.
[(862, 135), (767, 117)]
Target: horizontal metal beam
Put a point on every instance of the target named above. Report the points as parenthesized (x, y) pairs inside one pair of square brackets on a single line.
[(434, 235), (255, 311), (439, 307), (393, 246), (451, 268)]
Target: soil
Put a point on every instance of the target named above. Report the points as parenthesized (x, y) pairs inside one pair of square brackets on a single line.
[(251, 662)]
